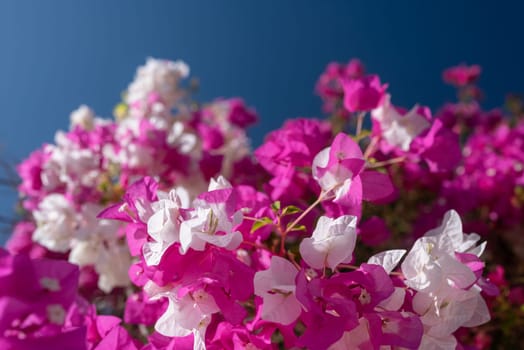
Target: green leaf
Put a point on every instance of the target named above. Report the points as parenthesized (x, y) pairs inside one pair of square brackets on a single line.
[(261, 223), (275, 206), (290, 209), (362, 135), (298, 227)]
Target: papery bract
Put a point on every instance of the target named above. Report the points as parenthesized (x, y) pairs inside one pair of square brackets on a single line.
[(163, 227), (461, 75), (332, 242), (398, 129), (212, 221), (337, 167), (363, 94), (277, 288), (432, 261)]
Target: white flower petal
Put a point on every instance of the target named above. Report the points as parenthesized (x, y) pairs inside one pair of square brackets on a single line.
[(388, 259)]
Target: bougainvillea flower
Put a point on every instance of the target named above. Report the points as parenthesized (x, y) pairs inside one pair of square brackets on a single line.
[(332, 242), (447, 310), (163, 227), (336, 167), (432, 259), (186, 315), (363, 94), (277, 288), (388, 259), (339, 170), (263, 259), (461, 75), (396, 128), (212, 221)]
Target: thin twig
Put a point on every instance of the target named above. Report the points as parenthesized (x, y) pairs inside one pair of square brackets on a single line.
[(360, 120), (386, 162), (347, 266), (320, 198), (371, 147)]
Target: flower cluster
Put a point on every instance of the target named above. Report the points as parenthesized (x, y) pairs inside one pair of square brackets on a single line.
[(157, 133), (333, 234)]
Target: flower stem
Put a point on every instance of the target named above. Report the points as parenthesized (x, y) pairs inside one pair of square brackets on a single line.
[(386, 162), (347, 266), (320, 198), (360, 120), (371, 147)]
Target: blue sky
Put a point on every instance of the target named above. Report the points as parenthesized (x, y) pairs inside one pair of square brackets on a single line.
[(59, 54)]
